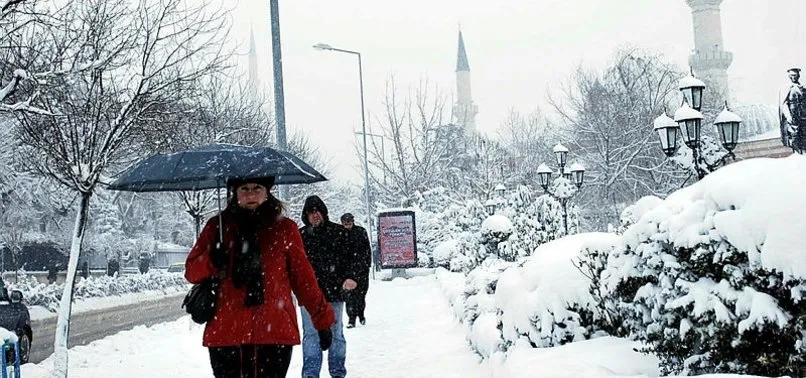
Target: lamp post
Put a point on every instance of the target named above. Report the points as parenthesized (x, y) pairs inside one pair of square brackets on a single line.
[(490, 205), (279, 97), (500, 190), (326, 47), (687, 123), (567, 183)]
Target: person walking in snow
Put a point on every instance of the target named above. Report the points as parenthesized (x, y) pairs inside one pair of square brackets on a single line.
[(337, 272), (260, 262), (361, 249)]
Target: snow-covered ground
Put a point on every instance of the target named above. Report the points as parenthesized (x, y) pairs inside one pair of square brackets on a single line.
[(410, 332)]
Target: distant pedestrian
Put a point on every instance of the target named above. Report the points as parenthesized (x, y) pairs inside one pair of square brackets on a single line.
[(85, 269), (53, 273), (360, 246), (337, 272), (112, 268)]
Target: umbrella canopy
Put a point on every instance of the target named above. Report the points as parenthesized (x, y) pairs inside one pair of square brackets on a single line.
[(209, 167)]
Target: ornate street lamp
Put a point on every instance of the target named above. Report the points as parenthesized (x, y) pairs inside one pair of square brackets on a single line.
[(692, 89), (561, 189), (490, 206), (500, 190), (544, 176), (578, 174), (668, 131), (688, 124), (562, 153), (727, 125)]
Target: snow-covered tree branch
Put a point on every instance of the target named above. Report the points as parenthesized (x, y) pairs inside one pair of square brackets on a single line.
[(118, 66)]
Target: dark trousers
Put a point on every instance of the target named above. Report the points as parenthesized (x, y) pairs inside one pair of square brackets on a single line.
[(356, 301), (250, 361)]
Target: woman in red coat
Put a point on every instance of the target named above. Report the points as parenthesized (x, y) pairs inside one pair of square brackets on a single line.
[(261, 262)]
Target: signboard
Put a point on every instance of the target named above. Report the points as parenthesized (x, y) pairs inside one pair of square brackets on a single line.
[(397, 239)]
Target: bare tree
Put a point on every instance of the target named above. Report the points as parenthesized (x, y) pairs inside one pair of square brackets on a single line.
[(609, 118), (529, 140), (132, 57), (19, 19), (420, 147)]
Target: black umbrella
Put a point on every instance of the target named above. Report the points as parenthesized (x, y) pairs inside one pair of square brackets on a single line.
[(209, 167)]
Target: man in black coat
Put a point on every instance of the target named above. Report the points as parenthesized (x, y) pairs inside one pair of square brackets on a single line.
[(359, 244), (337, 270)]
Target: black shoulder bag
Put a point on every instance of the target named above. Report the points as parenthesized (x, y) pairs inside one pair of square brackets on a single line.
[(200, 301)]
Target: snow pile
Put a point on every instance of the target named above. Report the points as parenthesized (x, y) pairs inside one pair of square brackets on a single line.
[(496, 224), (48, 295), (713, 278), (444, 252), (597, 358), (7, 336)]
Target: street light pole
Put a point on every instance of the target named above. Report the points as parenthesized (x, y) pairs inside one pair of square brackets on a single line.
[(364, 134), (567, 183), (325, 47), (279, 99)]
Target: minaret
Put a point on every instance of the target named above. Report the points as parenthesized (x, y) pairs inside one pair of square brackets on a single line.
[(254, 82), (464, 110), (709, 60)]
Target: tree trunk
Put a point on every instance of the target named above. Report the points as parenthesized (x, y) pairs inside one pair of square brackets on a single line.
[(65, 306), (197, 219)]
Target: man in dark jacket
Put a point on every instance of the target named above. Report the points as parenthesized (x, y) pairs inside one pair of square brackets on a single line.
[(337, 272), (359, 244)]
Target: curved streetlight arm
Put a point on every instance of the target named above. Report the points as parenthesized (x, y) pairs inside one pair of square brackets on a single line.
[(326, 47)]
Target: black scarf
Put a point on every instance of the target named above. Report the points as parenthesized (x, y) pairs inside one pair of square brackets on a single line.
[(247, 267)]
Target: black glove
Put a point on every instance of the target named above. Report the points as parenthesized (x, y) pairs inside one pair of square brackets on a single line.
[(325, 338)]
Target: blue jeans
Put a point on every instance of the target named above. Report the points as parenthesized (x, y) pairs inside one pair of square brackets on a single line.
[(312, 352)]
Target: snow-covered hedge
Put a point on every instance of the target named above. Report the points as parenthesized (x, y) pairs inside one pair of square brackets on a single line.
[(713, 278), (48, 295), (541, 301), (464, 235)]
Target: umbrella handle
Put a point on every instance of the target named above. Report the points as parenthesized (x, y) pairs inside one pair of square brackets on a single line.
[(220, 224)]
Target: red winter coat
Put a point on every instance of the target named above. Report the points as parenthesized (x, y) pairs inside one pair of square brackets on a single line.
[(287, 268)]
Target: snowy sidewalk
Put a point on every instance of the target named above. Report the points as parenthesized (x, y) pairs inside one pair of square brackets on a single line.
[(409, 333)]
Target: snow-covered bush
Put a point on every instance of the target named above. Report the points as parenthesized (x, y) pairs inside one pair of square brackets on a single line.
[(48, 295), (479, 314), (540, 302), (444, 252), (713, 279), (495, 230), (546, 301)]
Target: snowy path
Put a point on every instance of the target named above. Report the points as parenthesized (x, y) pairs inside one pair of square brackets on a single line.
[(409, 333)]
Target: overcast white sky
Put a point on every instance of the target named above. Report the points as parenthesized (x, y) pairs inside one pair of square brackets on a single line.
[(518, 51)]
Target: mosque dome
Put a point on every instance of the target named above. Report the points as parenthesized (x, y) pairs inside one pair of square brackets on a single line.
[(759, 121)]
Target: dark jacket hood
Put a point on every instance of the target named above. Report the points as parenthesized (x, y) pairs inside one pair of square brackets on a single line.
[(313, 203)]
